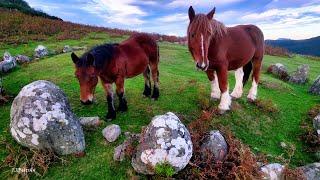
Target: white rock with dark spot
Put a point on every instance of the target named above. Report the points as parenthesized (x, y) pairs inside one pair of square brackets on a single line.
[(41, 51), (316, 123), (111, 132), (165, 140), (41, 118), (216, 144), (67, 49), (301, 75), (272, 171), (311, 171), (315, 88)]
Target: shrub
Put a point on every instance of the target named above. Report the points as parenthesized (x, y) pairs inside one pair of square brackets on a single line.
[(164, 169)]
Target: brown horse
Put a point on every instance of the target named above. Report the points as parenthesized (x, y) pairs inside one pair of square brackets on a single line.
[(217, 49), (113, 63)]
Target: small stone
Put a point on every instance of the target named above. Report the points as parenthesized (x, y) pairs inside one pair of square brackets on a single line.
[(90, 121), (41, 51), (301, 75), (215, 144), (316, 122), (315, 88), (111, 132), (67, 49), (8, 63), (272, 171), (283, 144)]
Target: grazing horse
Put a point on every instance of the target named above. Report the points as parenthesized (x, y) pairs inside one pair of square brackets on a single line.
[(217, 49), (113, 63)]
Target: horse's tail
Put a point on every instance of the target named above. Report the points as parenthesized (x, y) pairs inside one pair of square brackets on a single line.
[(247, 71)]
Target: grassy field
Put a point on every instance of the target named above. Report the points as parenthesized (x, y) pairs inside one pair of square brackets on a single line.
[(184, 91)]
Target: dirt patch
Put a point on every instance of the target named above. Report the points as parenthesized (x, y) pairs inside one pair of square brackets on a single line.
[(275, 86), (266, 105), (21, 162)]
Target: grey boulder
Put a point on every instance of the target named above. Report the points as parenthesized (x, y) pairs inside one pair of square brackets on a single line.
[(90, 121), (272, 171), (21, 59), (40, 51), (41, 118), (216, 144), (311, 171), (301, 75), (315, 88), (165, 140), (279, 70), (111, 132), (120, 151), (8, 63), (316, 123)]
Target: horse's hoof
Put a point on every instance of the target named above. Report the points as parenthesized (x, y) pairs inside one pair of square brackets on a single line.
[(214, 99), (110, 116), (123, 108), (223, 111), (250, 100), (234, 97)]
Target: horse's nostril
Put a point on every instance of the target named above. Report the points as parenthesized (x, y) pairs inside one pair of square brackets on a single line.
[(86, 102)]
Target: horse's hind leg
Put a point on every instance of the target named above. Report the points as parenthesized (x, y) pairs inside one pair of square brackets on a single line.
[(237, 91), (147, 82), (120, 92), (155, 78), (256, 62)]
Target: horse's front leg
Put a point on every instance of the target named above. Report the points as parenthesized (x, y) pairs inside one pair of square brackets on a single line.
[(215, 91), (120, 92), (225, 101), (109, 93)]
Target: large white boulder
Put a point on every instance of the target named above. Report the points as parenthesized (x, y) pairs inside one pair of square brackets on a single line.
[(40, 51), (165, 140), (41, 118)]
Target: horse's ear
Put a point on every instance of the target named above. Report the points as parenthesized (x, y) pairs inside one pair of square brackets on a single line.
[(191, 13), (90, 59), (211, 13), (74, 58)]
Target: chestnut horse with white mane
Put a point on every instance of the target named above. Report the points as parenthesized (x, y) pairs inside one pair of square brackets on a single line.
[(217, 49)]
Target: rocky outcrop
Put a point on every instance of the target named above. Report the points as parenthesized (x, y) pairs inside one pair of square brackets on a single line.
[(315, 88), (41, 118), (301, 75), (41, 51), (165, 140), (279, 70)]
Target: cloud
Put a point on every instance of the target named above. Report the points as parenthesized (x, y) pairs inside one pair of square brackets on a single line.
[(200, 3), (117, 11), (178, 17)]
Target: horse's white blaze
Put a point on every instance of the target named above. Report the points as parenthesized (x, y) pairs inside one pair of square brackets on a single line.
[(202, 52), (215, 90), (253, 91), (237, 91), (225, 102)]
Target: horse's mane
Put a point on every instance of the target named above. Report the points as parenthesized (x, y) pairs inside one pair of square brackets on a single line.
[(102, 54), (214, 27)]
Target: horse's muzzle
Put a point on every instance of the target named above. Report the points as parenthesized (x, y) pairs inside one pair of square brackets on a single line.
[(202, 67), (88, 102)]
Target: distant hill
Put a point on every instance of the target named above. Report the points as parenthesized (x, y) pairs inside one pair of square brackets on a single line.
[(24, 7), (306, 47)]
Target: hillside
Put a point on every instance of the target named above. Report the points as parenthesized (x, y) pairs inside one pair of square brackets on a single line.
[(24, 7), (306, 47)]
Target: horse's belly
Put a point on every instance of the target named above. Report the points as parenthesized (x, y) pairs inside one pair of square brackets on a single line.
[(135, 69)]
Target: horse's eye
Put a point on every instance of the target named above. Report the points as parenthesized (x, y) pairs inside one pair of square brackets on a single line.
[(192, 35)]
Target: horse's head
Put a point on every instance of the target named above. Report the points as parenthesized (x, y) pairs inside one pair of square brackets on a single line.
[(87, 76), (199, 36)]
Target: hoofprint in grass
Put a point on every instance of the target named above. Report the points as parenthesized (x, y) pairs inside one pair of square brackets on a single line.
[(41, 118), (164, 140)]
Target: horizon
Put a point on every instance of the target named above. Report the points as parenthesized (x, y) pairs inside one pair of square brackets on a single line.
[(286, 19)]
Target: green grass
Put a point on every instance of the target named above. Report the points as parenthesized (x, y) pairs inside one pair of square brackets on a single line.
[(183, 91)]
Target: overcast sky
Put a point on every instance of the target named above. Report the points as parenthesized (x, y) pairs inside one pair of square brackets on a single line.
[(294, 19)]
